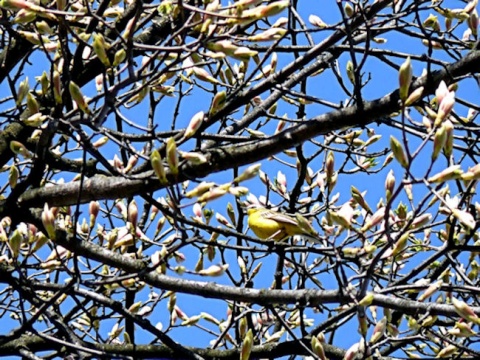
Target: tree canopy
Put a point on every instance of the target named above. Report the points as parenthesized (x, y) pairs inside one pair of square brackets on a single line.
[(136, 134)]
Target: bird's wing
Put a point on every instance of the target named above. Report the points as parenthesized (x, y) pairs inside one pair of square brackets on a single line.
[(281, 218)]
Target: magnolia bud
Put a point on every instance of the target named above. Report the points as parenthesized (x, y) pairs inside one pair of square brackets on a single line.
[(448, 147), (48, 221), (212, 195), (317, 348), (358, 197), (367, 300), (100, 142), (247, 345), (432, 22), (157, 166), (19, 149), (439, 141), (268, 35), (379, 330), (374, 219), (405, 79), (57, 87), (132, 213), (305, 225), (218, 102), (172, 156), (400, 244), (249, 173), (465, 311), (445, 107), (390, 184), (398, 152), (329, 166), (350, 72), (450, 173), (465, 218), (100, 48), (414, 96), (194, 125), (349, 9), (432, 289), (316, 21), (78, 97), (202, 188), (462, 330), (447, 351), (15, 242), (274, 8), (93, 209), (22, 92), (214, 270), (120, 55), (244, 53), (202, 74)]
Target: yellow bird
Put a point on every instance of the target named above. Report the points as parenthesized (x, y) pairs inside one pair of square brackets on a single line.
[(271, 225)]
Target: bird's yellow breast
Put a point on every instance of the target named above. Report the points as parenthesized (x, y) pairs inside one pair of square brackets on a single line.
[(264, 227)]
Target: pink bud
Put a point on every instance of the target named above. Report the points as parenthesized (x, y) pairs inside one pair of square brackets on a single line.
[(445, 107), (390, 184), (238, 191), (48, 221), (93, 209), (122, 209), (414, 96), (214, 270), (379, 330), (281, 182), (269, 35), (354, 350), (212, 194), (441, 91), (202, 188), (204, 75), (465, 311), (133, 213), (223, 220), (117, 163), (132, 161), (194, 125), (100, 142), (344, 216), (197, 210), (374, 220)]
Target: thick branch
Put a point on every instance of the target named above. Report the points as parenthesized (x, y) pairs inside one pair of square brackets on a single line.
[(208, 289), (228, 157)]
